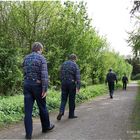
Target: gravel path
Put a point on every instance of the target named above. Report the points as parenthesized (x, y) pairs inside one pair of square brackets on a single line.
[(99, 119)]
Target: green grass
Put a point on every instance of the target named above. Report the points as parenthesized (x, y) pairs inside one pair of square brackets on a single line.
[(135, 118), (136, 112), (12, 107)]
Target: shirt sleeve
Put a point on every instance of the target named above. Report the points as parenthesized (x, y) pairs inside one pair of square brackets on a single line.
[(106, 80), (23, 65), (116, 78), (126, 79), (44, 75), (78, 82), (60, 73)]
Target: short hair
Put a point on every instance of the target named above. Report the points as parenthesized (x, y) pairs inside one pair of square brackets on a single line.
[(36, 46), (72, 57), (110, 69)]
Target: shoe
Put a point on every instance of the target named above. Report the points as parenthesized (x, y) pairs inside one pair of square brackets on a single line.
[(60, 116), (111, 97), (28, 137), (48, 129), (73, 117)]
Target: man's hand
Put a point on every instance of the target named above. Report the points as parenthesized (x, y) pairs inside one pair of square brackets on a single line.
[(44, 94), (77, 91)]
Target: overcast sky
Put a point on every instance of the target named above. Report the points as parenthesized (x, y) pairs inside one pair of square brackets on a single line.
[(112, 19)]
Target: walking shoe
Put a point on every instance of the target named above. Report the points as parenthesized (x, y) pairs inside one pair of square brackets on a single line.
[(60, 116), (48, 129), (111, 97), (28, 137), (73, 117)]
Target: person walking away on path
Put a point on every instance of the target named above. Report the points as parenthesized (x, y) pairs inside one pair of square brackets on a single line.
[(35, 88), (110, 79), (124, 81), (70, 85)]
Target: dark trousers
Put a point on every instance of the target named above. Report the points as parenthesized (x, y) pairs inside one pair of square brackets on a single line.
[(124, 85), (32, 92), (111, 88), (68, 90)]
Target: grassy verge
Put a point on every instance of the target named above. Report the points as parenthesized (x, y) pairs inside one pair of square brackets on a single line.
[(12, 110), (135, 118), (12, 107)]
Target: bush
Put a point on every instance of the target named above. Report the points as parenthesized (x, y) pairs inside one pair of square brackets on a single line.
[(10, 74), (12, 107), (83, 84), (119, 85), (136, 77)]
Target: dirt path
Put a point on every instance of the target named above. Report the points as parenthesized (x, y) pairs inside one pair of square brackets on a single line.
[(99, 119)]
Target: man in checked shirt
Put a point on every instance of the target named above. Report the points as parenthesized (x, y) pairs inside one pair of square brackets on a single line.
[(70, 85), (35, 88)]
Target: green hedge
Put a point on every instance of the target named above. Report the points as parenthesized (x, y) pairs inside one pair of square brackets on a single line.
[(119, 85), (12, 110), (136, 77)]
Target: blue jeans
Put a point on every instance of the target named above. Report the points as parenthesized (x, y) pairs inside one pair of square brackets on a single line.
[(124, 85), (111, 88), (32, 92), (68, 90)]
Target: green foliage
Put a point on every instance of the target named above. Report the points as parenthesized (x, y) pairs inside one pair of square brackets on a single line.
[(135, 116), (90, 92), (118, 85), (12, 107), (135, 62), (136, 77), (63, 29), (10, 74), (134, 36)]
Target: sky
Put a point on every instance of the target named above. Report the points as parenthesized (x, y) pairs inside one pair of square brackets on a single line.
[(111, 19)]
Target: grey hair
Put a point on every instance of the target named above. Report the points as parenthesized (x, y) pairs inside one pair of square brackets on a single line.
[(72, 57), (36, 46)]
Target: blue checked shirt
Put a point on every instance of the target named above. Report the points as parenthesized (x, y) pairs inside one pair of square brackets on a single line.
[(70, 71), (35, 68)]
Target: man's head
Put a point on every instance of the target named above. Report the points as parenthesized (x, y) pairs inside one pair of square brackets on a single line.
[(110, 69), (37, 47), (72, 57)]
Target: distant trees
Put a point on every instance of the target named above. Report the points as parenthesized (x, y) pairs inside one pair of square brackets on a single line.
[(134, 36), (63, 29), (136, 7), (134, 40)]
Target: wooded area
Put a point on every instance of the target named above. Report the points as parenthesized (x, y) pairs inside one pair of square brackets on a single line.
[(63, 28), (134, 40)]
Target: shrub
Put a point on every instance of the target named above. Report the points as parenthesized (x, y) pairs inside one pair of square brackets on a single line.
[(136, 77), (12, 107)]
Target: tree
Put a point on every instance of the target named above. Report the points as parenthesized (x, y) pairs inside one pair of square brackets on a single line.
[(63, 29)]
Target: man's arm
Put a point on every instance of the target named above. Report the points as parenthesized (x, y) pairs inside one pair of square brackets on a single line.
[(60, 73), (78, 82), (116, 79), (126, 79), (106, 80), (44, 77)]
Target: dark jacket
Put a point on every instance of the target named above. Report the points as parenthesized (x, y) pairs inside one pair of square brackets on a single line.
[(124, 79), (111, 77)]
